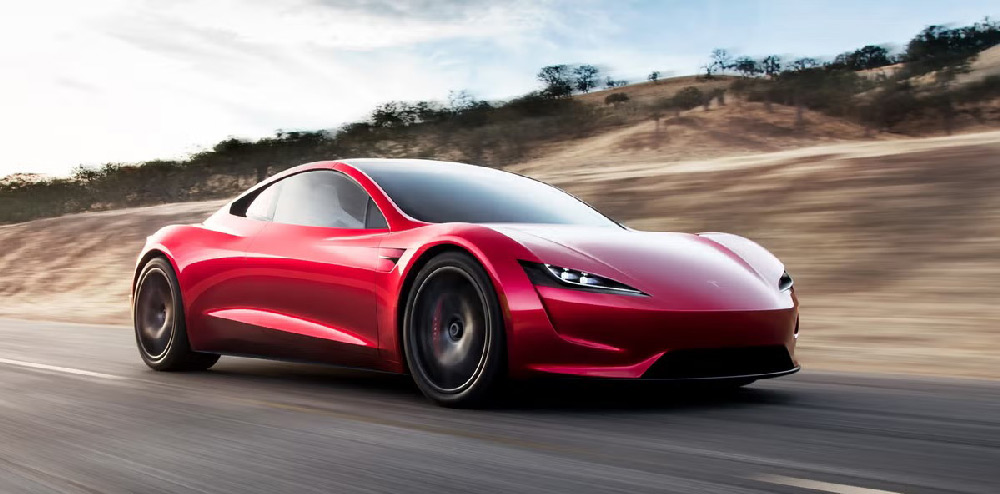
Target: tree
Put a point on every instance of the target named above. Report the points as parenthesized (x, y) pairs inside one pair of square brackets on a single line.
[(654, 76), (557, 79), (610, 83), (585, 77), (459, 101), (391, 114), (771, 65), (805, 63), (868, 57), (938, 46), (871, 57), (747, 67), (720, 63)]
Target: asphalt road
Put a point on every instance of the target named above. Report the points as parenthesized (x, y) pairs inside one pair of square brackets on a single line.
[(79, 412)]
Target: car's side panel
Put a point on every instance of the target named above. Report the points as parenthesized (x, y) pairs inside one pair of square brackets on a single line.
[(310, 295), (208, 259)]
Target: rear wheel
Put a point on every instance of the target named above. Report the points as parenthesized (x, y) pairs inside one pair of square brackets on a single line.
[(158, 316), (453, 333)]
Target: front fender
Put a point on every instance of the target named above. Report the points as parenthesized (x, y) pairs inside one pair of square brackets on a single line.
[(523, 313)]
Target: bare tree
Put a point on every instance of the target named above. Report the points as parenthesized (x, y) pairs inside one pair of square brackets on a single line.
[(721, 62), (771, 65)]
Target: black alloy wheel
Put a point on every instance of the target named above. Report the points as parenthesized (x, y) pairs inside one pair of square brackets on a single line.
[(453, 332), (158, 316)]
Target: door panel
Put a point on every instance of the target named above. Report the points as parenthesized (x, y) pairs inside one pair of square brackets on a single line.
[(215, 277), (307, 280), (311, 294)]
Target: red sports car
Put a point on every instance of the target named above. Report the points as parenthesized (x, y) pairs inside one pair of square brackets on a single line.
[(462, 276)]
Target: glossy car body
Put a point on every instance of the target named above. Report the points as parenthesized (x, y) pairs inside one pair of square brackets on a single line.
[(710, 304)]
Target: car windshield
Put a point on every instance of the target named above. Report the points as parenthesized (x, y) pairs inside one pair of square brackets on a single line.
[(446, 192)]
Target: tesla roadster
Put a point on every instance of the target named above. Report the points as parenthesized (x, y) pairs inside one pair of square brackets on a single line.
[(461, 276)]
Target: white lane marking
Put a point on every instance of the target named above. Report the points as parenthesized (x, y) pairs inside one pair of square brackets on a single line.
[(816, 485), (65, 370)]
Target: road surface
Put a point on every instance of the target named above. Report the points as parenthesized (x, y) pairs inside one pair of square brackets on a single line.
[(80, 413)]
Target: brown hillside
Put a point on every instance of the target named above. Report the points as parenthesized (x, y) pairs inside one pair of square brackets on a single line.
[(736, 129), (78, 268), (647, 93)]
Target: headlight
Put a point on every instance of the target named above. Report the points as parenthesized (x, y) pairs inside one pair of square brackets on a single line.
[(549, 275), (786, 282)]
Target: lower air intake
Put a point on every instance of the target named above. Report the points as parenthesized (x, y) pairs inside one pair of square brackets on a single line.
[(720, 362)]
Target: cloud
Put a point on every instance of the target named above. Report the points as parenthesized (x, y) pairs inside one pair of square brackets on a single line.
[(365, 25), (125, 80)]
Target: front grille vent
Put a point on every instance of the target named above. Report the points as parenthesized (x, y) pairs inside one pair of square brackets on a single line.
[(720, 362)]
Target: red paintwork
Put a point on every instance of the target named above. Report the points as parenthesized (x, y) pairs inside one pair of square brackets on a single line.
[(331, 295), (289, 323)]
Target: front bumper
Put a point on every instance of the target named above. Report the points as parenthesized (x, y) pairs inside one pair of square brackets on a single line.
[(613, 336)]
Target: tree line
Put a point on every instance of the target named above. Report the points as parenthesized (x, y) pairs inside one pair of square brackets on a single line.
[(851, 86)]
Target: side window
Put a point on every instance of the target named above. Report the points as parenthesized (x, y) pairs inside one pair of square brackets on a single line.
[(374, 219), (262, 207), (322, 198)]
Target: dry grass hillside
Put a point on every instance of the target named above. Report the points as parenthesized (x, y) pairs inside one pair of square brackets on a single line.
[(986, 64), (738, 128), (78, 268), (646, 93), (894, 243)]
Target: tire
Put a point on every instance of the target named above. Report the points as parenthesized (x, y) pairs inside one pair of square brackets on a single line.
[(453, 332), (158, 318)]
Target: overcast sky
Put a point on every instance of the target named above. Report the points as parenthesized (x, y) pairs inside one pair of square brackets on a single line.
[(88, 82)]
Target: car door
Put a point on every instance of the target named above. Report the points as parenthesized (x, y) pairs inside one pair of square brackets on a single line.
[(312, 292), (216, 280)]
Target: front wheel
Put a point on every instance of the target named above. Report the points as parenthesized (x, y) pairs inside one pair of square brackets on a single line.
[(158, 316), (453, 332)]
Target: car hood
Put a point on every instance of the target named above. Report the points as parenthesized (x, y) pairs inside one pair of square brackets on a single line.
[(680, 271)]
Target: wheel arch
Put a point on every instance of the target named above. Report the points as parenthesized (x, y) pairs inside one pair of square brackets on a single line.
[(411, 274), (148, 255)]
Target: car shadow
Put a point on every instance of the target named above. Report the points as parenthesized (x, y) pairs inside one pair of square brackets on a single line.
[(611, 395), (523, 396)]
